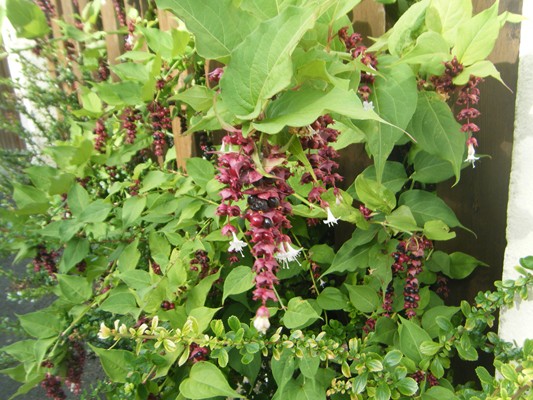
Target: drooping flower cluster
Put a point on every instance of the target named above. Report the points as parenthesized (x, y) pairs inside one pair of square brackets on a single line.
[(419, 377), (130, 116), (408, 259), (75, 366), (100, 136), (119, 11), (103, 70), (161, 123), (468, 96), (266, 212), (202, 260), (321, 156), (357, 50), (444, 84), (45, 260), (47, 8), (52, 386)]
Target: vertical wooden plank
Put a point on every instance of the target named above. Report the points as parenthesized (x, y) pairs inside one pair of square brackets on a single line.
[(114, 42), (9, 140), (369, 18)]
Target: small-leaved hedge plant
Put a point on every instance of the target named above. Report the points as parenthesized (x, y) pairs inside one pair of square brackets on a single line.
[(223, 280)]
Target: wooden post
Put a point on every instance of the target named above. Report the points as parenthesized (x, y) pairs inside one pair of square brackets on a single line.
[(114, 42)]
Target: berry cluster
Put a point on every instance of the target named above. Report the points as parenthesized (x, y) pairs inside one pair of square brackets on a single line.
[(201, 259), (81, 266), (119, 10), (357, 50), (369, 325), (409, 258), (45, 260), (366, 212), (167, 305), (387, 302), (197, 353), (134, 188), (75, 365), (103, 70), (52, 385), (419, 377), (130, 116), (100, 138), (47, 8), (161, 123), (442, 286), (156, 268)]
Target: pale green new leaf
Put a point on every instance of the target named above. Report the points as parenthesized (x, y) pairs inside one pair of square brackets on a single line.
[(206, 381), (217, 25), (401, 35), (481, 69), (444, 16), (261, 66), (117, 364)]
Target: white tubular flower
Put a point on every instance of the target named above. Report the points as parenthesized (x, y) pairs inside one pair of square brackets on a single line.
[(236, 245), (105, 332), (286, 254), (331, 220), (471, 158), (368, 106), (261, 322)]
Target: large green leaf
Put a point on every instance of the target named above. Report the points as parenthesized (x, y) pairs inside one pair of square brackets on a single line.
[(132, 209), (363, 297), (401, 35), (76, 250), (29, 199), (264, 10), (299, 314), (206, 381), (431, 169), (410, 338), (436, 131), (27, 18), (302, 107), (394, 98), (374, 195), (75, 289), (427, 206), (445, 16), (261, 66), (202, 171), (239, 280), (218, 25), (476, 37), (41, 324), (430, 316), (117, 364)]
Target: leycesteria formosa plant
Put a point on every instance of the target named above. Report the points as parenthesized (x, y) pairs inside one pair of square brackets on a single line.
[(226, 279)]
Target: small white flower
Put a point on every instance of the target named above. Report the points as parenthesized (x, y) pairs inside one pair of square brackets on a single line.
[(331, 220), (471, 158), (368, 106), (129, 40), (261, 324), (104, 332), (236, 245), (322, 282), (286, 254)]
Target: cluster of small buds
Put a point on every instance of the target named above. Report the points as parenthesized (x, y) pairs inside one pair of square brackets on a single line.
[(468, 96), (444, 84), (119, 10), (45, 260), (202, 263), (75, 366), (357, 50), (47, 8), (78, 23), (161, 123), (197, 353), (167, 305), (409, 258), (215, 75), (100, 136), (130, 37), (113, 173), (130, 116), (419, 377), (134, 188), (52, 386), (316, 140), (366, 212), (156, 268), (47, 364), (81, 266), (103, 70), (339, 386), (266, 213), (206, 146), (369, 325), (387, 302), (442, 286)]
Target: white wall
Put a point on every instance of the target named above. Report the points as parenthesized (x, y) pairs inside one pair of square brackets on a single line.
[(516, 324)]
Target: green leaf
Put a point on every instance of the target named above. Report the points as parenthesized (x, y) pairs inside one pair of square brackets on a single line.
[(159, 249), (394, 98), (462, 265), (411, 337), (383, 391), (374, 195), (206, 381), (218, 25), (481, 69), (27, 18), (436, 131), (431, 169), (401, 220), (437, 230), (393, 176), (430, 348), (402, 33), (429, 318), (239, 280), (77, 249), (201, 171), (261, 66), (439, 393), (309, 366), (136, 279), (97, 211), (41, 324), (476, 37), (299, 314), (385, 331), (445, 16), (132, 209), (78, 199), (200, 98), (332, 299), (321, 253), (121, 303), (426, 206), (363, 297), (198, 294), (75, 289), (130, 256), (29, 199), (117, 364), (407, 386), (392, 358), (203, 316), (302, 107)]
